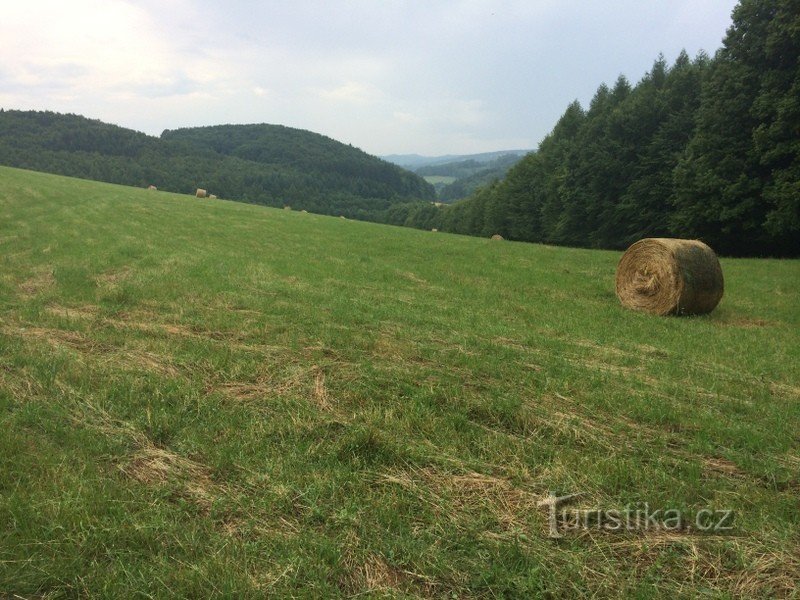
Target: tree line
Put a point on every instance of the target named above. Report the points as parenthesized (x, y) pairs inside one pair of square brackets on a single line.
[(262, 164), (704, 148)]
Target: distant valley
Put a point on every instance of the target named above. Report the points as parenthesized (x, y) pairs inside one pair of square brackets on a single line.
[(455, 177)]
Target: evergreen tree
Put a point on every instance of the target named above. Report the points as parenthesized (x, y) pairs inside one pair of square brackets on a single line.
[(737, 183)]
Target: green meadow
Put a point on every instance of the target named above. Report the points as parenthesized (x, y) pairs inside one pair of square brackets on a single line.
[(206, 398), (439, 179)]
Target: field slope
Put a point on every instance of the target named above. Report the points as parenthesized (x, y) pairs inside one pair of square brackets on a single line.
[(263, 164), (203, 399)]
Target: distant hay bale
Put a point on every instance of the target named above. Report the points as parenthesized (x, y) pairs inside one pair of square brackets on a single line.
[(666, 276), (342, 217), (304, 211), (152, 187), (287, 207), (212, 197), (497, 236), (434, 230), (201, 193)]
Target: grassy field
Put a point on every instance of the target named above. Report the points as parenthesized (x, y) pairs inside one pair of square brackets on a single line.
[(204, 398), (443, 179)]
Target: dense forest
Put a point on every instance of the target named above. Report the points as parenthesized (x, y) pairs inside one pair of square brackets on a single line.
[(706, 148), (262, 164)]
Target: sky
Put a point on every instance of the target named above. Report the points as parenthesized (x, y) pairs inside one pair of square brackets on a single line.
[(428, 77)]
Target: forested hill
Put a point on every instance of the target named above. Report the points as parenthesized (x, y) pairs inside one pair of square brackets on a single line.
[(263, 164), (704, 148)]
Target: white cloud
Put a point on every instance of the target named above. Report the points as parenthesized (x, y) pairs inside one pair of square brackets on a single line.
[(446, 76), (352, 92)]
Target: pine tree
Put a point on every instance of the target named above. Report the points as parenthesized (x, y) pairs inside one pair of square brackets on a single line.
[(736, 185)]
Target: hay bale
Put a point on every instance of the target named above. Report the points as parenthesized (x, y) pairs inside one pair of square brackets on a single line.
[(287, 207), (666, 276), (152, 188), (212, 197), (434, 230), (200, 193), (497, 236)]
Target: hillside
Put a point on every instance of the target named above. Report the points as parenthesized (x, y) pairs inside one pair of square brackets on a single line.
[(261, 164), (218, 399), (413, 162)]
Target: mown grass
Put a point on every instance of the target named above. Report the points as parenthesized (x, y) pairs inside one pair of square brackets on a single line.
[(443, 179), (208, 398)]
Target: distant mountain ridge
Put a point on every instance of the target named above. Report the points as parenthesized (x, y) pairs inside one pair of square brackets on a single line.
[(415, 161), (263, 164)]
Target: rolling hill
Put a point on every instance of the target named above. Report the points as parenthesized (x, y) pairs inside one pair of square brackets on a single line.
[(219, 399), (413, 162), (261, 164)]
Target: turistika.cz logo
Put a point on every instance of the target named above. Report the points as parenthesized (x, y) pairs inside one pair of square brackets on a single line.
[(633, 518)]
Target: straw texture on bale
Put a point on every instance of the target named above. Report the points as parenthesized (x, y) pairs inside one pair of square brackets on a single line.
[(152, 187), (201, 193), (497, 236), (666, 276)]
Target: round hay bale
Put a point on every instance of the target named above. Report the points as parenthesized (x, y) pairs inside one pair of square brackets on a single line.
[(152, 188), (497, 236), (434, 230), (666, 276), (201, 193), (212, 197)]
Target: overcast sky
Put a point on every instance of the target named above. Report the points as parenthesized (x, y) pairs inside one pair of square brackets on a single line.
[(428, 77)]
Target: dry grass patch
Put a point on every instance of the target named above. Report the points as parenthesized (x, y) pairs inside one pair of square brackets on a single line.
[(743, 322), (152, 465), (293, 381), (113, 277), (766, 571), (413, 277), (38, 283), (584, 430), (58, 338), (722, 466), (378, 575), (651, 351), (84, 312), (148, 463), (600, 349), (94, 350), (375, 575), (509, 343), (19, 383), (149, 361), (455, 495), (782, 389), (320, 392)]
